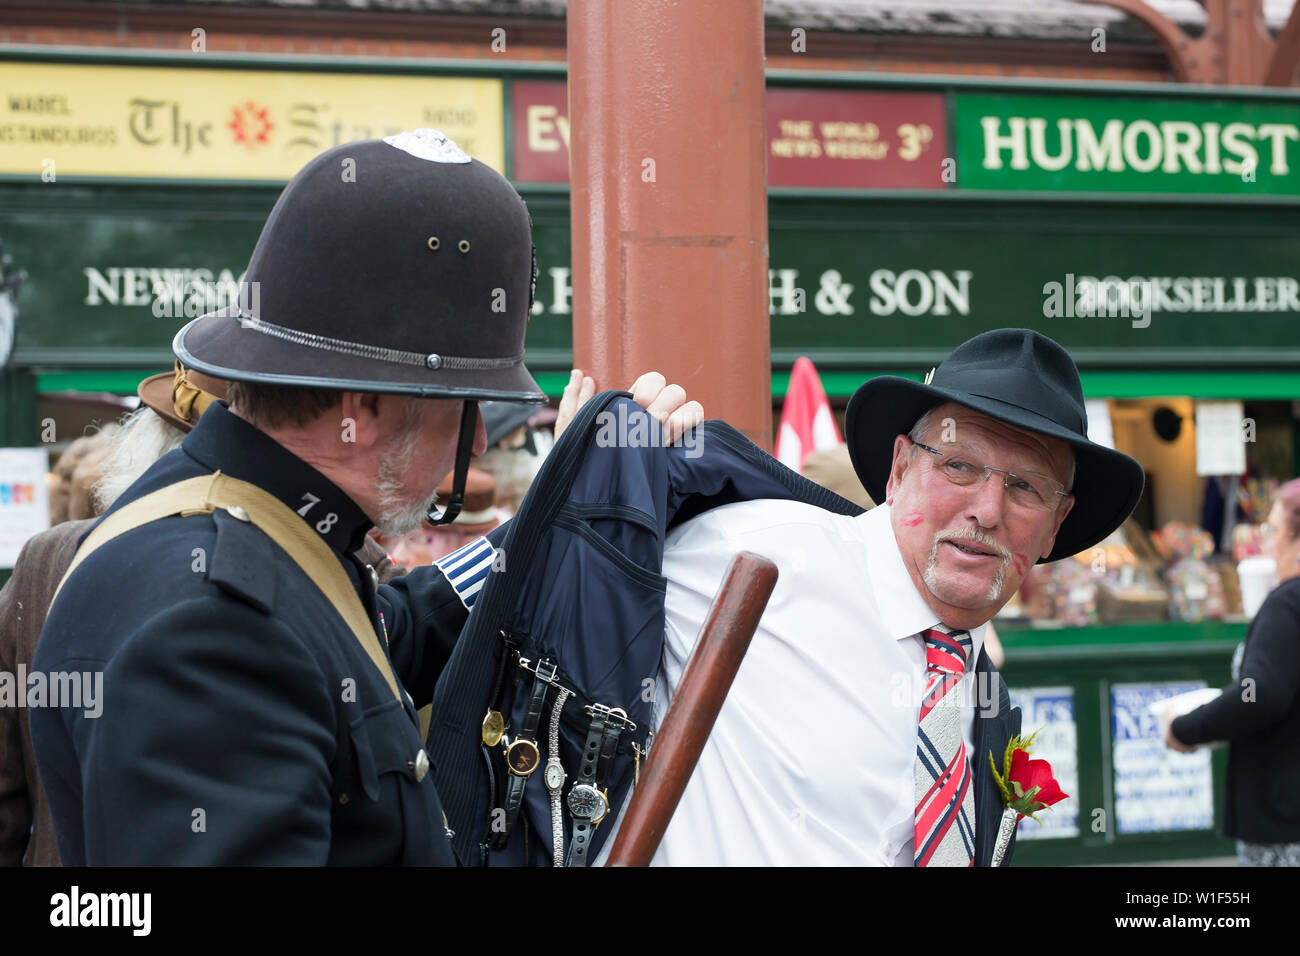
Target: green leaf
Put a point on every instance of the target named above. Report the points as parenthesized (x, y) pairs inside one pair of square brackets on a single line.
[(1002, 786)]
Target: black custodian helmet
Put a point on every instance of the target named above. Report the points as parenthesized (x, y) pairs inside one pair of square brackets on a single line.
[(395, 265)]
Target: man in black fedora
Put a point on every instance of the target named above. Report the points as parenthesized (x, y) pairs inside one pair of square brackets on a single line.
[(259, 686), (862, 725)]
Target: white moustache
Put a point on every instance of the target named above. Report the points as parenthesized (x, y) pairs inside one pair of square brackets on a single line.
[(973, 534)]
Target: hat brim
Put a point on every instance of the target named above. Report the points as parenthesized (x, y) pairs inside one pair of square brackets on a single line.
[(217, 344), (156, 392), (1107, 483), (500, 420)]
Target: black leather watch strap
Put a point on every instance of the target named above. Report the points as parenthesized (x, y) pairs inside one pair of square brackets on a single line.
[(486, 843), (608, 750), (523, 755), (583, 826)]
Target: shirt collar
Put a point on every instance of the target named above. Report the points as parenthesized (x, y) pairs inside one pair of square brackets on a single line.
[(903, 612), (222, 440)]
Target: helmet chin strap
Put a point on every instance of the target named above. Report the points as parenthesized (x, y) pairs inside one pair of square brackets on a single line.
[(465, 448)]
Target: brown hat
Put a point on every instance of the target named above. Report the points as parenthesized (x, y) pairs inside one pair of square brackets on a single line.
[(831, 468), (182, 395), (478, 516)]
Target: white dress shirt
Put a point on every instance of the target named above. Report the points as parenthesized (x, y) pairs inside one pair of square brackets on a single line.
[(811, 759)]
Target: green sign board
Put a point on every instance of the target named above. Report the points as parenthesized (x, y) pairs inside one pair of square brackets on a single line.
[(890, 284), (898, 284), (112, 275), (1127, 144)]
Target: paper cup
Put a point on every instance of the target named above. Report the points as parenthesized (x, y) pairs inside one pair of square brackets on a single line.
[(1257, 575)]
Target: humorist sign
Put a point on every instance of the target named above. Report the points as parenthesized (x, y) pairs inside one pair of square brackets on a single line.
[(1127, 144)]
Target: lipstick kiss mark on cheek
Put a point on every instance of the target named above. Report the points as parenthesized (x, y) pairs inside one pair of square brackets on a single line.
[(913, 518), (1021, 562)]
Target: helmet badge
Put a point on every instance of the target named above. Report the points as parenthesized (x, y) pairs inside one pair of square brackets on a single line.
[(429, 144)]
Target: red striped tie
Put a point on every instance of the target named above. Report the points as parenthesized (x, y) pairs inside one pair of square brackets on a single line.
[(945, 799)]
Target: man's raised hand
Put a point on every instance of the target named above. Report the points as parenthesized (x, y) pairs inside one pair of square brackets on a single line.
[(667, 403)]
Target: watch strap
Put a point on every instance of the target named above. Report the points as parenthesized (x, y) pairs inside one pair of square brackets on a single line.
[(583, 828), (553, 759), (608, 750), (517, 783)]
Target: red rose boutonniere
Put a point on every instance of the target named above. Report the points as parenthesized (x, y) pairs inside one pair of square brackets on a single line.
[(1027, 786)]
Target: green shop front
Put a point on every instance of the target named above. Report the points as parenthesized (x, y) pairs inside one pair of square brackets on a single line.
[(1152, 231)]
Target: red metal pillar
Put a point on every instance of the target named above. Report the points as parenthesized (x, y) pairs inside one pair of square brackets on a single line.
[(669, 200)]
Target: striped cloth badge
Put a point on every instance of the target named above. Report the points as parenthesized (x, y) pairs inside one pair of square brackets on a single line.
[(467, 569)]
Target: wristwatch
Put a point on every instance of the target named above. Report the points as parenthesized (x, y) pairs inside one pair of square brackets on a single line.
[(494, 725), (587, 804), (554, 776), (522, 755)]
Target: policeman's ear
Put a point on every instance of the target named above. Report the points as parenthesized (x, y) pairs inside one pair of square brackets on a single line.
[(364, 416)]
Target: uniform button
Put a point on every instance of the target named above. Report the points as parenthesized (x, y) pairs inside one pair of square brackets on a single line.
[(344, 798), (421, 765), (238, 512)]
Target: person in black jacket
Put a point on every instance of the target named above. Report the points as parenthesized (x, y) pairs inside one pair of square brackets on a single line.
[(221, 680), (1259, 715)]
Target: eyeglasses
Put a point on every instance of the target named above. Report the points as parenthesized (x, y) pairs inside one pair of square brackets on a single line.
[(1030, 490)]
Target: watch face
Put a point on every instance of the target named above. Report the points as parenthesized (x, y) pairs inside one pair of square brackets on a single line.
[(494, 726), (522, 758), (586, 802), (554, 775)]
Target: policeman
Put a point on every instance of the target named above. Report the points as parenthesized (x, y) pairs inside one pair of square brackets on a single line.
[(259, 690)]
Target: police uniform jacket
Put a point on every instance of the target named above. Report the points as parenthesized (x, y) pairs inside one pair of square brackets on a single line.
[(242, 722)]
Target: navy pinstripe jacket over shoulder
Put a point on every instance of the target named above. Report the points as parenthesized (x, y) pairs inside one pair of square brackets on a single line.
[(581, 583)]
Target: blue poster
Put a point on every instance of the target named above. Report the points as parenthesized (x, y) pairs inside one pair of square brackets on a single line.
[(1156, 789), (1050, 711)]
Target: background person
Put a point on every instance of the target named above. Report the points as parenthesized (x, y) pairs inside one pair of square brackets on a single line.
[(128, 449), (1259, 714)]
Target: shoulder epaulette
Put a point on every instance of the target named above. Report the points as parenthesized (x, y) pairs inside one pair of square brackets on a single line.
[(239, 561)]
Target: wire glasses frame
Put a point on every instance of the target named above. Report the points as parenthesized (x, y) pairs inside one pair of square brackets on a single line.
[(1031, 490)]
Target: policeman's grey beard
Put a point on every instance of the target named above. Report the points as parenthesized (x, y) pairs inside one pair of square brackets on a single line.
[(143, 438), (399, 513), (931, 577)]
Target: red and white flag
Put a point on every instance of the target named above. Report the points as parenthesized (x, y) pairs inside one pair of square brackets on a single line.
[(807, 424)]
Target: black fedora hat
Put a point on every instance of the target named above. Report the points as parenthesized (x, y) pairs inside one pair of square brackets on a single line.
[(1019, 377), (395, 265)]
